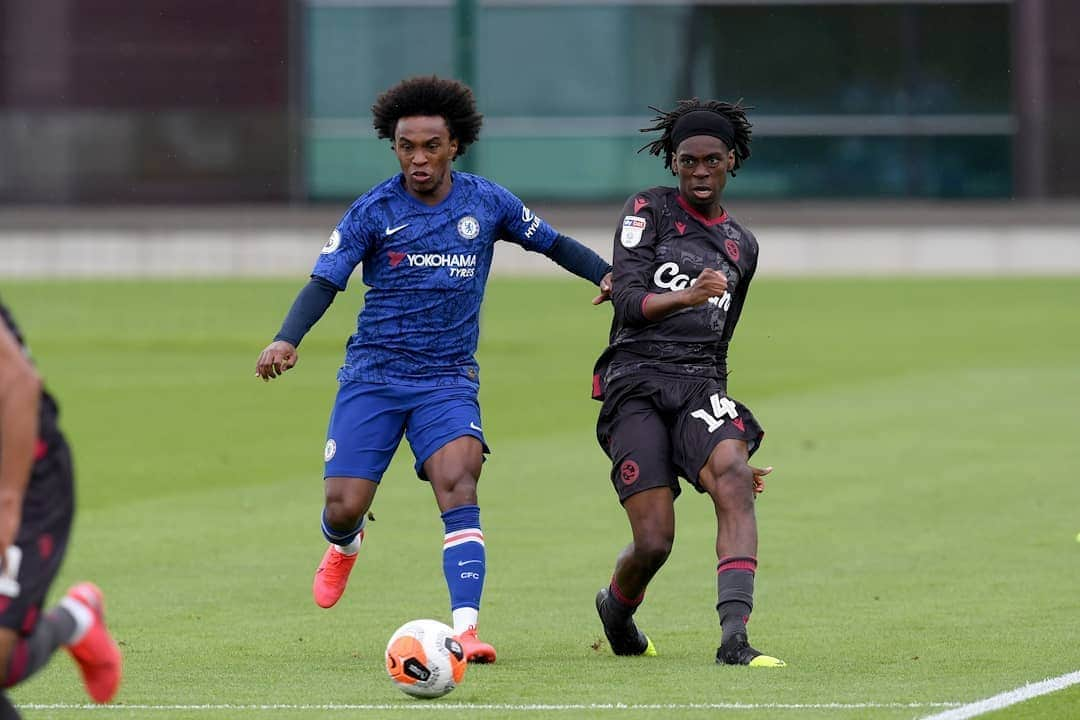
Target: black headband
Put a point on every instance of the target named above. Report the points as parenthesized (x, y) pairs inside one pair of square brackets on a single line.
[(702, 122)]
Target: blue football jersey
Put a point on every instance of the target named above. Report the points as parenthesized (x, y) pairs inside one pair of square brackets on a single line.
[(426, 268)]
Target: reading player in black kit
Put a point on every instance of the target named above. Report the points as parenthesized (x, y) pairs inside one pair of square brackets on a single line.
[(36, 506), (682, 268)]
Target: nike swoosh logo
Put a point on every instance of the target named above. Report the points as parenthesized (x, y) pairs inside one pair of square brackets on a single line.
[(466, 562), (476, 427), (390, 231)]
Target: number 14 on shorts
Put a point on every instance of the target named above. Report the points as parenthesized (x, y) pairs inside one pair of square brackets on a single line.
[(722, 407)]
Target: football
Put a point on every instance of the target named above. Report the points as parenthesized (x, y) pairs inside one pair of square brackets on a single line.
[(424, 659)]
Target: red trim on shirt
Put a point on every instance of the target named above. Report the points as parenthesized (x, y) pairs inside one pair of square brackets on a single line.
[(697, 215), (645, 300), (41, 449)]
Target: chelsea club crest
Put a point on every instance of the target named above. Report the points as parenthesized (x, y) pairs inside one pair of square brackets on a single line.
[(468, 227)]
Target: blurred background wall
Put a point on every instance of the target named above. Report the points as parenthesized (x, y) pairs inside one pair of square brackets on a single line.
[(134, 101), (225, 137), (144, 101)]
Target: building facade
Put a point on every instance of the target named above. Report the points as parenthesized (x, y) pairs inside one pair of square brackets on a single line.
[(252, 100)]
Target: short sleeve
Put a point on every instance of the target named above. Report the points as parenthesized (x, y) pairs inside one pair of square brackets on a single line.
[(343, 250), (521, 225)]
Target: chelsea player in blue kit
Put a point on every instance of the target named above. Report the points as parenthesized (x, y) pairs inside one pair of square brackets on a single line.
[(425, 239)]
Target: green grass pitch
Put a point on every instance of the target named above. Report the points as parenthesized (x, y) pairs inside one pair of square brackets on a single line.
[(918, 537)]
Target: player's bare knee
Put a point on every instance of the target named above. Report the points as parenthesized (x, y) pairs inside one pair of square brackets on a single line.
[(347, 499), (343, 509), (734, 487), (454, 489), (653, 549)]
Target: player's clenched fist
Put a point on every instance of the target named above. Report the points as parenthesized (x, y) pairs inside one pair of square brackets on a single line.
[(278, 357), (710, 283)]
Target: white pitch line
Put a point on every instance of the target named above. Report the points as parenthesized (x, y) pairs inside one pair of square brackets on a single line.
[(1006, 699), (439, 706)]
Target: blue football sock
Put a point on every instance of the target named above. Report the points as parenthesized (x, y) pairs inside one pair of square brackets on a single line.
[(341, 537), (464, 561)]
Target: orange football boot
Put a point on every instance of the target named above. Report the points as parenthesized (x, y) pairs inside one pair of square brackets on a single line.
[(476, 650), (96, 654), (332, 576)]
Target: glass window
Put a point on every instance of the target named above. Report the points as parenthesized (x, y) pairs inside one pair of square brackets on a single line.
[(833, 167), (860, 59), (564, 89), (354, 53)]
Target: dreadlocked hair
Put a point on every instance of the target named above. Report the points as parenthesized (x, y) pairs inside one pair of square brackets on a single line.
[(665, 120), (431, 96)]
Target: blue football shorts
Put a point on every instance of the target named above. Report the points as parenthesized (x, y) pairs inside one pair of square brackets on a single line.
[(368, 420)]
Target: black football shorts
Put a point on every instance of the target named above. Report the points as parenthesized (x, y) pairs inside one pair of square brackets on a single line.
[(34, 560), (656, 428)]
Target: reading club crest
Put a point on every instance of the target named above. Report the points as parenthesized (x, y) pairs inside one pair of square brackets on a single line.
[(732, 248), (468, 227)]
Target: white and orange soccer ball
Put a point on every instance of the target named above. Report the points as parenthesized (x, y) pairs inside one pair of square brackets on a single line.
[(424, 659)]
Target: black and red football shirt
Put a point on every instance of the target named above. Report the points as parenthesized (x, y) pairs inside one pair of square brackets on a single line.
[(662, 244)]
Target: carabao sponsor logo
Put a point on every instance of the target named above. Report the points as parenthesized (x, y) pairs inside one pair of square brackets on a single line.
[(671, 277)]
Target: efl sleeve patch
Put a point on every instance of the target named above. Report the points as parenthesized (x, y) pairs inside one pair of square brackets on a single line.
[(632, 228), (342, 252), (333, 243)]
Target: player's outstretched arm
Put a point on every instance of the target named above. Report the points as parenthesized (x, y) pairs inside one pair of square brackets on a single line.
[(20, 396), (582, 261), (310, 305)]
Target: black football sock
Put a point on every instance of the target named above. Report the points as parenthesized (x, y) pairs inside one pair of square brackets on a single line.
[(735, 594), (618, 605)]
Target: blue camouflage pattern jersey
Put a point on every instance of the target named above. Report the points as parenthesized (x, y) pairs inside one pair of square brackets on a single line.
[(426, 267)]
